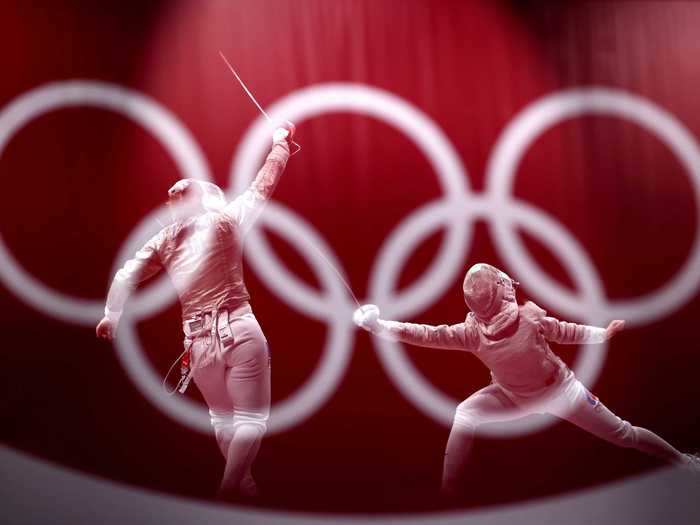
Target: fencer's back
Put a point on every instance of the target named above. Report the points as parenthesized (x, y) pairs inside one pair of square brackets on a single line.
[(203, 256)]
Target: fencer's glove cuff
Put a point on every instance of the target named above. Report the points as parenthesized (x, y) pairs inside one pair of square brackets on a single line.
[(367, 318), (597, 335), (112, 315), (279, 136)]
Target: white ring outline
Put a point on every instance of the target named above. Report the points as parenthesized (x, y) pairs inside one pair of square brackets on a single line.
[(424, 396), (551, 109), (286, 413), (520, 134), (502, 213), (388, 108), (74, 93), (317, 100)]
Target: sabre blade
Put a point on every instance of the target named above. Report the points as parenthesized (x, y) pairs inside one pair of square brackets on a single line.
[(337, 272), (250, 95), (245, 88)]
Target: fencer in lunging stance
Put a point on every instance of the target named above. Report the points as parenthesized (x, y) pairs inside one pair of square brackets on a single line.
[(527, 377), (225, 350)]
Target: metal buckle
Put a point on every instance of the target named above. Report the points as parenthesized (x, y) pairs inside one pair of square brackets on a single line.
[(195, 325)]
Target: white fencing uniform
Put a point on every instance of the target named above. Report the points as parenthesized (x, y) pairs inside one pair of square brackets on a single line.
[(201, 252), (527, 377)]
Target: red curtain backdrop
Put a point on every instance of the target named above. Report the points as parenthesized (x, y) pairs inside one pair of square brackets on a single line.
[(77, 181)]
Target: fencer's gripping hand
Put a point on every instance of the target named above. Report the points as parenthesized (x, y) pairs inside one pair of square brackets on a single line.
[(284, 133), (367, 318), (613, 328), (106, 329)]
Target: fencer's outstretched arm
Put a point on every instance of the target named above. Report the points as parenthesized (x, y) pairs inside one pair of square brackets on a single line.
[(143, 265), (566, 333), (448, 337), (245, 208)]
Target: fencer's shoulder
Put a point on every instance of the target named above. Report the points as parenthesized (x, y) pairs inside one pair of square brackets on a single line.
[(168, 230), (223, 217), (172, 230), (157, 240), (471, 332), (212, 219), (209, 217), (532, 311)]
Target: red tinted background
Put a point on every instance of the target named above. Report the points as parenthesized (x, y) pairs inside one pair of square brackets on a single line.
[(77, 181)]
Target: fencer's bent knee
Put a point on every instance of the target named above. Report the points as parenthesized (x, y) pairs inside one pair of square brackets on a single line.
[(250, 420), (625, 435), (221, 419), (228, 423), (222, 423)]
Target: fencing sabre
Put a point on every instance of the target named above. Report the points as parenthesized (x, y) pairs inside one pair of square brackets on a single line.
[(250, 95)]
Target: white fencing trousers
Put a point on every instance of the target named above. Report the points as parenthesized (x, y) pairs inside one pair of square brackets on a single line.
[(569, 400), (236, 386)]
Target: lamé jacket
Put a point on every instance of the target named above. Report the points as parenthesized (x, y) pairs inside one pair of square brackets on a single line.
[(202, 253)]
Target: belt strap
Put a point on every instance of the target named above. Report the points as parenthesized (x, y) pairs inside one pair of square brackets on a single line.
[(195, 326), (225, 335)]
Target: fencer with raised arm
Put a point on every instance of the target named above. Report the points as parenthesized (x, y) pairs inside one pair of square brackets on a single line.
[(225, 350), (527, 377)]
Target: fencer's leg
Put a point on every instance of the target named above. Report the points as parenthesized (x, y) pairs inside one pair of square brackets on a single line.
[(240, 454), (489, 404), (223, 430), (650, 443), (459, 446), (248, 431), (589, 414), (222, 422), (693, 462), (248, 486), (248, 381), (225, 424), (211, 382)]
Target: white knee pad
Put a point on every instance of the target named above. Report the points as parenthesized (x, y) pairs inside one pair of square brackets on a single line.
[(220, 418), (226, 423), (222, 423), (251, 420), (625, 435)]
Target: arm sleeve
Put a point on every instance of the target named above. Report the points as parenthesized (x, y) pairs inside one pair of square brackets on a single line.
[(145, 264), (245, 208), (449, 337), (571, 333)]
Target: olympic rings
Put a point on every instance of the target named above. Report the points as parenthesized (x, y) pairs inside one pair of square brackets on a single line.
[(354, 98), (297, 107), (504, 214), (288, 412), (456, 211), (412, 385), (139, 108), (524, 130)]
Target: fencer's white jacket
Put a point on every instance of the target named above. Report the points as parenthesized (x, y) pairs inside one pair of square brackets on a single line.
[(519, 357), (202, 253)]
